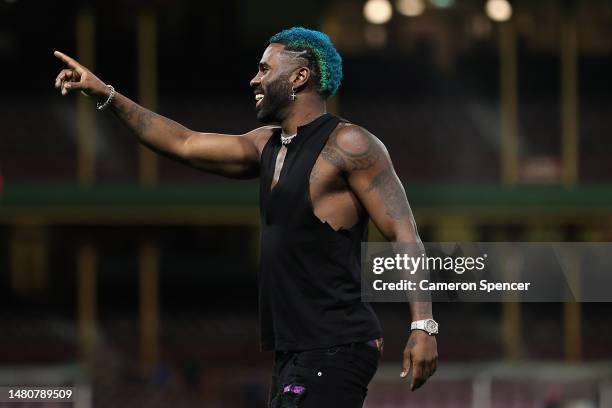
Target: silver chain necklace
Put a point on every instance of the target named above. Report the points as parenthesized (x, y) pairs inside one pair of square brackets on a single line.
[(285, 140)]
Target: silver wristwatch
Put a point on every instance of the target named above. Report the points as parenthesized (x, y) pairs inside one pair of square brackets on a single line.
[(430, 326)]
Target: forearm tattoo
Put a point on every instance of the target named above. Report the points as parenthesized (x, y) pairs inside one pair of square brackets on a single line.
[(137, 118), (153, 130), (392, 194)]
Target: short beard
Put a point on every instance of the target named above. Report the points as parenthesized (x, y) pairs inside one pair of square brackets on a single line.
[(276, 101)]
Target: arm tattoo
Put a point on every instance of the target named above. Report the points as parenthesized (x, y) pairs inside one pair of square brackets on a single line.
[(349, 161), (137, 118), (143, 121), (331, 155), (391, 193)]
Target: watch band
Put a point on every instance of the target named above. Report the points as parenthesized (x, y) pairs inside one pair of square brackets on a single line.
[(430, 326)]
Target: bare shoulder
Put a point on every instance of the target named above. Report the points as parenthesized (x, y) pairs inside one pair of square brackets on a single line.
[(260, 136), (351, 147), (355, 140)]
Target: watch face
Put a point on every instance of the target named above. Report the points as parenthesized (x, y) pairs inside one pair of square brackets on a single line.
[(431, 326)]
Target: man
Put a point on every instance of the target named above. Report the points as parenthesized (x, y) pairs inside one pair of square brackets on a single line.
[(321, 179)]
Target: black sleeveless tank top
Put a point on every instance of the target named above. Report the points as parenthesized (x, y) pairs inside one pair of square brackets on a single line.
[(310, 274)]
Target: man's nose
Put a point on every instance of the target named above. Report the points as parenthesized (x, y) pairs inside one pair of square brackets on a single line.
[(255, 81)]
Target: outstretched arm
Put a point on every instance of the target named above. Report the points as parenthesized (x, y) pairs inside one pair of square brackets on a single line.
[(368, 168), (228, 155)]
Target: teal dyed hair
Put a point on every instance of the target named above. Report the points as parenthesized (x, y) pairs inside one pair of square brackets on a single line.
[(319, 51)]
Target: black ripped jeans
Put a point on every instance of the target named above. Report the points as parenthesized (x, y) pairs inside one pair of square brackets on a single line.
[(337, 377)]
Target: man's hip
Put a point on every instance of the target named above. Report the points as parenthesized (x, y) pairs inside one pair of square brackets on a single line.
[(333, 377)]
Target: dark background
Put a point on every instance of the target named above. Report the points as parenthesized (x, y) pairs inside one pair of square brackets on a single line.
[(76, 254)]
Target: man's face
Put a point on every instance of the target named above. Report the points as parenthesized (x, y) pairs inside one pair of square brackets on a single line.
[(272, 86)]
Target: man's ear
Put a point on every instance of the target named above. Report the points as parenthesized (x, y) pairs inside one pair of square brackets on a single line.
[(300, 78)]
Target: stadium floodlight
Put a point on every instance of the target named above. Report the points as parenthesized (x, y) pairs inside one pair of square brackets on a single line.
[(410, 8), (499, 10), (377, 11)]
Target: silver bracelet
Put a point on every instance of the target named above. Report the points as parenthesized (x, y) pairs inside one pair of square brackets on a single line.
[(100, 106)]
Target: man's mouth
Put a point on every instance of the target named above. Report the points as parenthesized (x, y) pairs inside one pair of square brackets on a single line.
[(258, 97)]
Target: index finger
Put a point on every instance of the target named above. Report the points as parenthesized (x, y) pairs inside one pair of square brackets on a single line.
[(68, 61)]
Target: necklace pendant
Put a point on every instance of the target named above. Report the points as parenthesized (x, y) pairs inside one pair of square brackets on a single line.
[(285, 140)]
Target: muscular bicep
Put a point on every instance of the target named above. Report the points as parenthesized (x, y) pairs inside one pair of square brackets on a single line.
[(373, 180), (235, 156)]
